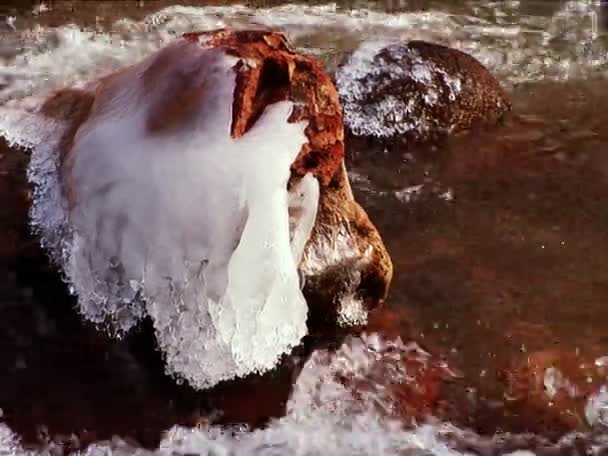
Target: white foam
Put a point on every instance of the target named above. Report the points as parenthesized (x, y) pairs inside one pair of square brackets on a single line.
[(596, 408), (9, 443), (566, 45), (324, 416), (328, 416)]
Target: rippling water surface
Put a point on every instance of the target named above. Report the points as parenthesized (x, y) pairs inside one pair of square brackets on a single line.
[(499, 239)]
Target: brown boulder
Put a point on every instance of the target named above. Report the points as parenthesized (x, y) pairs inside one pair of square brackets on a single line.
[(417, 91), (274, 72)]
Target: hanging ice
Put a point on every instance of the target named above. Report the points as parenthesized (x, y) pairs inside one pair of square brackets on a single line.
[(167, 215)]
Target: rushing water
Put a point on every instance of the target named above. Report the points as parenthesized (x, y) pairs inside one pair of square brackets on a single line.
[(499, 241)]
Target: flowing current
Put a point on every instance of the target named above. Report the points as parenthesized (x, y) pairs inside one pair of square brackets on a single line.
[(324, 416)]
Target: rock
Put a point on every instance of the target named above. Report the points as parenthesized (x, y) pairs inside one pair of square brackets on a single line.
[(417, 91), (345, 257), (274, 72), (172, 93)]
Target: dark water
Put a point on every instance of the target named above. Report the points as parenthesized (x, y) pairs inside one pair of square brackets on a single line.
[(513, 265), (499, 239)]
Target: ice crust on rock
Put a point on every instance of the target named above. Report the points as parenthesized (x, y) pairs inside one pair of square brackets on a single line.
[(203, 228), (367, 73), (191, 228), (23, 127)]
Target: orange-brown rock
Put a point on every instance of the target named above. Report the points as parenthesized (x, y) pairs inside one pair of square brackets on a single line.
[(274, 72), (345, 256)]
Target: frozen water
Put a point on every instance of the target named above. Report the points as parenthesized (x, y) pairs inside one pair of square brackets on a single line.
[(173, 225), (190, 216), (303, 205), (351, 311)]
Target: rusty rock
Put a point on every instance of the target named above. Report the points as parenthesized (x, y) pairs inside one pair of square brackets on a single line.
[(269, 72), (345, 259)]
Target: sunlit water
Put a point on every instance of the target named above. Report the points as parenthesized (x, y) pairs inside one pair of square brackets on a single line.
[(530, 46)]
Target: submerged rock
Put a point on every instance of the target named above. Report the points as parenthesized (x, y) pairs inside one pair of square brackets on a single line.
[(191, 188), (417, 91)]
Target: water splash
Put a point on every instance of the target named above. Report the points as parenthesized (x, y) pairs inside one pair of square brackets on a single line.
[(565, 45), (176, 236), (328, 415)]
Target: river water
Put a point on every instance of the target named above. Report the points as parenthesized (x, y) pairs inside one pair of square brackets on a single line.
[(499, 239)]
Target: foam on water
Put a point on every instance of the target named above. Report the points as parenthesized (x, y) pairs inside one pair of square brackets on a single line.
[(328, 416), (324, 416), (531, 48)]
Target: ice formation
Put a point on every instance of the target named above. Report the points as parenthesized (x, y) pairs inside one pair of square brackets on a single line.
[(186, 225), (368, 73)]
